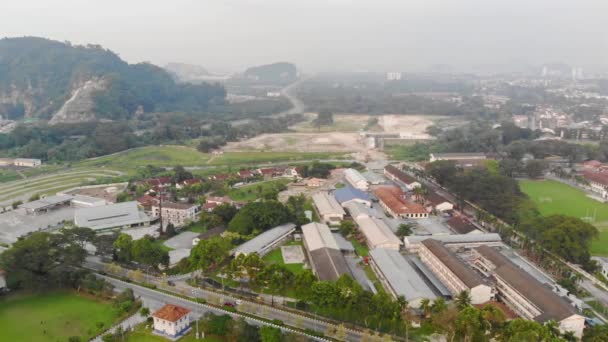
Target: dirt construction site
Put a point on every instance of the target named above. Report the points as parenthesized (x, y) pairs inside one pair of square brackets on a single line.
[(342, 136)]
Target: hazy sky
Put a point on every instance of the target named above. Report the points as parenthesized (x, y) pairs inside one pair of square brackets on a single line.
[(325, 34)]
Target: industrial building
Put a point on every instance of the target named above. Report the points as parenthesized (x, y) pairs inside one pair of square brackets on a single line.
[(349, 194), (377, 233), (456, 275), (46, 204), (412, 243), (464, 160), (398, 277), (113, 216), (396, 175), (461, 225), (326, 259), (266, 241), (436, 202), (392, 199), (524, 294), (354, 178), (328, 208), (357, 210)]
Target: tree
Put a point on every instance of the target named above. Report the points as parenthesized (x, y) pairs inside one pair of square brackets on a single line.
[(471, 325), (425, 307), (180, 174), (144, 312), (535, 168), (209, 252), (145, 251), (596, 333), (404, 229), (463, 300), (259, 216), (123, 246), (324, 118), (439, 305), (42, 260), (225, 211), (270, 334), (347, 227), (82, 236)]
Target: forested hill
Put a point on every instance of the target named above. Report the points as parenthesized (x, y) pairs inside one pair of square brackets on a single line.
[(281, 72), (38, 76)]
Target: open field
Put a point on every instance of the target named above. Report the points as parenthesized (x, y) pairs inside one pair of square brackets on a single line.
[(553, 197), (253, 191), (342, 123), (332, 142), (256, 158), (141, 334), (23, 189), (52, 317)]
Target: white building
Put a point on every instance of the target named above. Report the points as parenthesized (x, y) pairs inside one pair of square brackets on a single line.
[(524, 294), (603, 262), (393, 76), (177, 214), (377, 233), (113, 216), (328, 208), (356, 179), (453, 272), (83, 201), (266, 241), (172, 321)]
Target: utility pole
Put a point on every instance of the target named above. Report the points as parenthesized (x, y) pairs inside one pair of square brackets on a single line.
[(160, 207)]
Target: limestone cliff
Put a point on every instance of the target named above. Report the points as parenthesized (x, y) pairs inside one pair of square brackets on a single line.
[(80, 107)]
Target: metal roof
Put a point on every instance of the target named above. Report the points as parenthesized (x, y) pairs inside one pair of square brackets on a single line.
[(329, 263), (358, 210), (110, 216), (451, 261), (317, 236), (353, 176), (258, 243), (326, 204), (343, 244), (456, 238), (373, 177), (377, 232), (46, 202), (348, 193), (401, 276)]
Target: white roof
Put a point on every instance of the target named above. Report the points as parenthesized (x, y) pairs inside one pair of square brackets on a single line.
[(357, 210), (258, 243), (46, 202), (317, 236), (401, 276), (377, 232), (455, 238), (88, 200), (353, 176), (326, 204), (110, 216)]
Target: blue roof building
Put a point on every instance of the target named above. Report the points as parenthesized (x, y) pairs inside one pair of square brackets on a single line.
[(348, 194)]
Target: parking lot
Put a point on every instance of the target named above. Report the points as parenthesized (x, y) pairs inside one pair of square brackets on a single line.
[(14, 224)]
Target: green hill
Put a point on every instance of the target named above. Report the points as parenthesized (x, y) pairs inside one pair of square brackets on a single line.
[(37, 76)]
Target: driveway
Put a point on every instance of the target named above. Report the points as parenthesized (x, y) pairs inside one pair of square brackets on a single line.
[(181, 241)]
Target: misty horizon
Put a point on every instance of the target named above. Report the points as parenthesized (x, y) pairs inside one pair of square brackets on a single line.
[(229, 36)]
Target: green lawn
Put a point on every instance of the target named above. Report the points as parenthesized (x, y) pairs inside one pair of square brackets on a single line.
[(250, 192), (276, 257), (553, 197), (142, 334), (52, 317), (361, 250), (170, 155)]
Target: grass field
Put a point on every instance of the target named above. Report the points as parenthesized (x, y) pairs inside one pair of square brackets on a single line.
[(276, 257), (553, 197), (250, 192), (142, 334), (173, 155), (52, 317)]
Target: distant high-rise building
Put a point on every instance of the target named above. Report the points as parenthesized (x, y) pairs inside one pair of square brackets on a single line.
[(393, 76), (544, 71), (577, 73)]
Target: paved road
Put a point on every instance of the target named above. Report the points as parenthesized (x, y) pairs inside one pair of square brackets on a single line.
[(254, 308), (200, 309)]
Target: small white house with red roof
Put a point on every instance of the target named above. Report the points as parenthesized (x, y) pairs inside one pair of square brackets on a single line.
[(172, 321)]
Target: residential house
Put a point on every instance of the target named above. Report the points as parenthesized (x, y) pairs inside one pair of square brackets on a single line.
[(436, 202), (188, 182), (453, 272), (172, 321)]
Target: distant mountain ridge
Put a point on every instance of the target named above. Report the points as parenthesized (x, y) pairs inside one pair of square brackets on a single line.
[(281, 72), (58, 81)]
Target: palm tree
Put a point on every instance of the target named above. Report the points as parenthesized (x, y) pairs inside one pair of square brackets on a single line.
[(425, 306), (463, 300), (569, 336), (439, 305), (552, 328), (418, 192)]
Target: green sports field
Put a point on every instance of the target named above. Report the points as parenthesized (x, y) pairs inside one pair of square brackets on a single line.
[(52, 317), (553, 197)]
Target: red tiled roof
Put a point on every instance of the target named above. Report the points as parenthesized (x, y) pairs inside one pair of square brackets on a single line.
[(245, 173), (147, 200), (171, 312), (191, 181), (400, 175), (461, 225), (598, 177), (592, 163), (392, 197)]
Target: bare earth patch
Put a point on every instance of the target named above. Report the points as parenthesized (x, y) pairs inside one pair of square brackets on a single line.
[(299, 142), (292, 254)]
